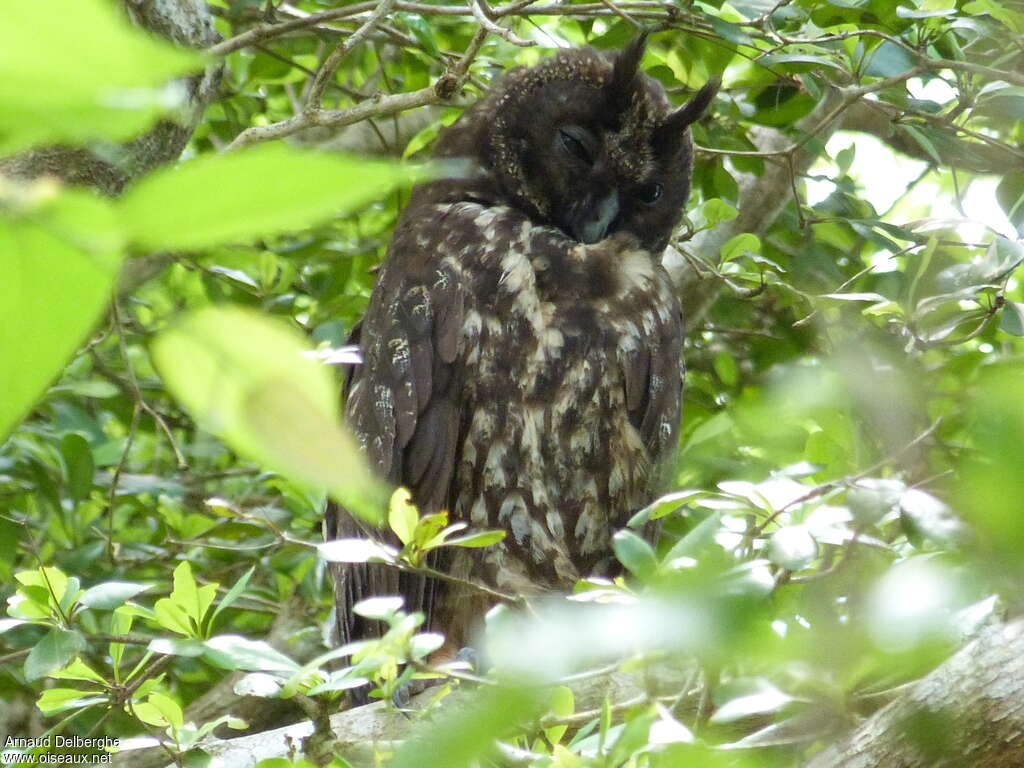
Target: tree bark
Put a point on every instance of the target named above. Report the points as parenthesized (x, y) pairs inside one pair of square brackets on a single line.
[(968, 711), (186, 22)]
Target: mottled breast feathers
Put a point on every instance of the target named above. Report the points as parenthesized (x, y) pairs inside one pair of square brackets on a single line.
[(522, 347)]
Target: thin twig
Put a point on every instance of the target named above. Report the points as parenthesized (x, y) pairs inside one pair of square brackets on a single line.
[(818, 490), (137, 391), (440, 91), (482, 13), (328, 68)]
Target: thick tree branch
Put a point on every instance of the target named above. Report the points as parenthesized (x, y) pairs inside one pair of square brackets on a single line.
[(361, 731), (186, 22), (970, 709)]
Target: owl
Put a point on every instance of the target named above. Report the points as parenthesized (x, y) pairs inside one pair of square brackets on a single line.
[(522, 346)]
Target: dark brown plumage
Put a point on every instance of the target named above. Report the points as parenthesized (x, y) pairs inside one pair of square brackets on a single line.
[(522, 345)]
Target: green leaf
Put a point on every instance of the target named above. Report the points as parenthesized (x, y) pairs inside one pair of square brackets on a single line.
[(461, 735), (356, 551), (78, 670), (245, 378), (170, 615), (887, 60), (185, 593), (96, 76), (255, 192), (402, 515), (797, 62), (1010, 194), (110, 595), (57, 648), (741, 244), (924, 141), (716, 210), (1011, 320), (382, 608), (792, 548), (54, 700), (234, 593), (562, 705), (479, 539), (167, 707), (636, 554), (697, 541), (632, 737), (59, 258), (78, 465), (236, 652)]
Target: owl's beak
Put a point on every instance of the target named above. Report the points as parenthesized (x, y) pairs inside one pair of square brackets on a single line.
[(596, 222)]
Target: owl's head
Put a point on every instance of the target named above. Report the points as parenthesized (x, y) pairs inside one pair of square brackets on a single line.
[(591, 145)]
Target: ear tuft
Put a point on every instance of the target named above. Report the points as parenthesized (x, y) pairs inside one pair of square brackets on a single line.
[(694, 109), (624, 71)]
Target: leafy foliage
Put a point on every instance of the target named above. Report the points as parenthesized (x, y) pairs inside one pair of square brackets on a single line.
[(847, 500)]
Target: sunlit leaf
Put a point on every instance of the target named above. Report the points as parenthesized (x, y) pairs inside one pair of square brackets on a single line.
[(111, 594), (402, 515), (54, 700), (479, 539), (119, 71), (168, 708), (236, 652), (750, 697), (258, 684), (260, 191), (378, 607), (244, 378), (932, 518), (871, 499), (57, 648), (356, 551), (59, 258), (792, 548)]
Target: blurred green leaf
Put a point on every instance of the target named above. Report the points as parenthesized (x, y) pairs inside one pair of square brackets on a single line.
[(78, 462), (236, 652), (478, 539), (459, 737), (59, 256), (636, 554), (402, 515), (245, 378), (260, 191), (792, 548), (118, 73)]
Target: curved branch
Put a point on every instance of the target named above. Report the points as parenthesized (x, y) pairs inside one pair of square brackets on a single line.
[(975, 701)]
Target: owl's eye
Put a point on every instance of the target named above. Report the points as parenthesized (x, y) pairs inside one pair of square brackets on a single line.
[(573, 145), (649, 194)]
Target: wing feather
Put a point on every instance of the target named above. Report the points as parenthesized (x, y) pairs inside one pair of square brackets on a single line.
[(403, 403)]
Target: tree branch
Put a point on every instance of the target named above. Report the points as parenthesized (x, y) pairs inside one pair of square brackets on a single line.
[(442, 90), (971, 709), (328, 68)]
